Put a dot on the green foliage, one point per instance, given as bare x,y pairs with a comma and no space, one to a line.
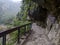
19,20
51,6
16,22
13,36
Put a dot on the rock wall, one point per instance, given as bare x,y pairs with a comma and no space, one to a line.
54,34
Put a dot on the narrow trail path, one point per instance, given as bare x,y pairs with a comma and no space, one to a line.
38,36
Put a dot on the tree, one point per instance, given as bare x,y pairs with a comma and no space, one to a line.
38,10
22,15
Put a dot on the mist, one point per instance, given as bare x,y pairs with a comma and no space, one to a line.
8,9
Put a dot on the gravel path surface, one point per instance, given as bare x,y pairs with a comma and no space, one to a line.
38,36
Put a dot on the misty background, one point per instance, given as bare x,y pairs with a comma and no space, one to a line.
8,9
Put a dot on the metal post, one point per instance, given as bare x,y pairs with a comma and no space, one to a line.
30,26
4,40
25,30
18,36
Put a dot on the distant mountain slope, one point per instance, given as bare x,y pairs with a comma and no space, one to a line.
9,6
8,9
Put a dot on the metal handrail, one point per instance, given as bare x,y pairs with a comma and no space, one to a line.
4,33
